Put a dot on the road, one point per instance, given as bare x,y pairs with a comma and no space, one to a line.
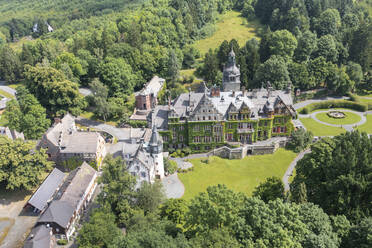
307,102
114,131
7,88
291,167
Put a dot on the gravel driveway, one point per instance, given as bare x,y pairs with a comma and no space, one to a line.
173,186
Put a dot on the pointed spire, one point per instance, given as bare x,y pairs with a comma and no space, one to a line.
154,136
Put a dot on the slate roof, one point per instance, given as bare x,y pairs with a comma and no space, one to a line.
47,189
80,142
59,212
135,133
77,183
256,101
40,237
65,126
160,117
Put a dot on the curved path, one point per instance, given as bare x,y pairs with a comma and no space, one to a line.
291,167
307,102
348,127
173,186
7,89
114,131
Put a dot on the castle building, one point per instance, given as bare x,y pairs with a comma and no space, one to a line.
231,74
144,158
211,118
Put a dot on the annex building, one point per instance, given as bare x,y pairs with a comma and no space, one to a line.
211,117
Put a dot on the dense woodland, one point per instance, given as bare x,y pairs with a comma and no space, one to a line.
114,47
328,206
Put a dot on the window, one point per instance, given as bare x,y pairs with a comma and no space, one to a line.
215,118
182,128
196,128
274,129
207,128
174,129
266,122
196,139
282,129
203,118
165,138
230,126
240,125
217,138
207,139
249,125
143,174
209,117
265,133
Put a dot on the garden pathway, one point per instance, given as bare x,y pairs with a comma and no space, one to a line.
307,102
7,88
291,167
173,186
349,127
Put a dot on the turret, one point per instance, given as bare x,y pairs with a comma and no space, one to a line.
156,143
231,74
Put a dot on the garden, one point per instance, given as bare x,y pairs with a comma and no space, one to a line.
338,117
241,175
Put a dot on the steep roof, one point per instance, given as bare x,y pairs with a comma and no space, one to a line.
47,189
77,183
40,237
80,142
59,212
65,126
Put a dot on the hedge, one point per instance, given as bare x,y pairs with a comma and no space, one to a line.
334,104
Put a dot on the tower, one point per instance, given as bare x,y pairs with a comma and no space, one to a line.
156,151
231,74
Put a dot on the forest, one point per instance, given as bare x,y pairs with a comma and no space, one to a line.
114,47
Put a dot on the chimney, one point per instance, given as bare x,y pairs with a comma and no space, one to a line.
215,91
269,91
57,120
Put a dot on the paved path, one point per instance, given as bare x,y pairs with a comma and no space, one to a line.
307,102
173,186
291,167
7,88
114,131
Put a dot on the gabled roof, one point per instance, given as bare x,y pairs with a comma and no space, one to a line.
80,142
40,237
47,189
152,87
59,212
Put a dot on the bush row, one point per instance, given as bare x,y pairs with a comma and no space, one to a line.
335,104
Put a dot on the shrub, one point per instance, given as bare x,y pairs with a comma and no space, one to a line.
170,166
300,139
62,242
335,104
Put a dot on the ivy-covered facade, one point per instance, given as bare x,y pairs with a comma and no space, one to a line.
211,118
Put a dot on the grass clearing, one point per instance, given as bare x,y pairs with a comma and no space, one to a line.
230,26
6,94
240,175
366,127
350,118
319,129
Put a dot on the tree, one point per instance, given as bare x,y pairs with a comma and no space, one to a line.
335,174
213,209
223,52
360,234
307,44
174,210
117,75
173,68
270,190
361,46
274,70
328,22
215,238
355,73
27,115
100,231
300,77
299,140
249,61
282,43
118,189
338,81
209,70
150,196
99,98
73,63
319,70
21,166
53,91
190,54
10,65
327,48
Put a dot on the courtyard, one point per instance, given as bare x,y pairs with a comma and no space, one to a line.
240,175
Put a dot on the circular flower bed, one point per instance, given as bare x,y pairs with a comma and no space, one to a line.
336,114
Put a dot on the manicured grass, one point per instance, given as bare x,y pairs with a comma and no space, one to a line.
366,127
365,100
6,94
240,175
13,86
230,26
350,118
319,129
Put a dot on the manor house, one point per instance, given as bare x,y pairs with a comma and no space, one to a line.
210,118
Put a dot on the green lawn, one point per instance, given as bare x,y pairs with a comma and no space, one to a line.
240,175
366,127
319,129
230,26
350,118
6,94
